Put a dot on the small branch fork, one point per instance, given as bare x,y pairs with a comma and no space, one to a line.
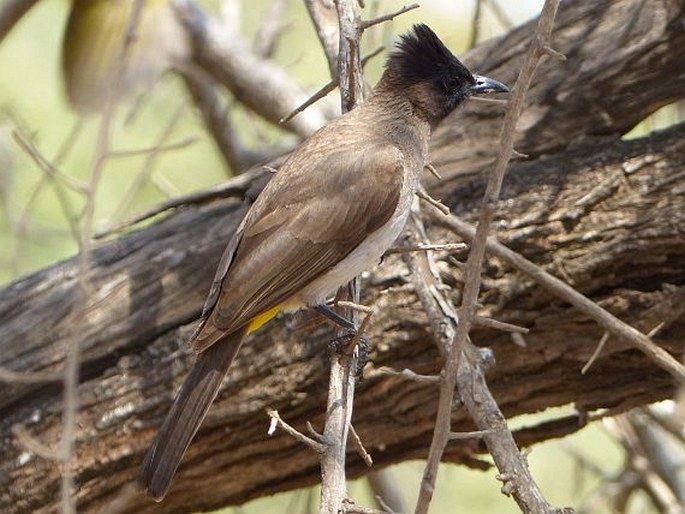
464,366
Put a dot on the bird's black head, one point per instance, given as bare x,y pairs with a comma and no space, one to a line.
424,70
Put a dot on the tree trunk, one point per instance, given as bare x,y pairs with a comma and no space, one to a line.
608,217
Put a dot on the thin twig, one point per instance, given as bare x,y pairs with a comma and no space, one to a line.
443,247
143,174
436,203
500,14
325,19
388,491
596,353
73,357
235,187
324,91
425,280
388,17
359,446
321,93
463,366
410,375
216,117
475,23
355,306
433,171
33,445
276,421
49,168
316,435
475,434
56,180
270,29
499,325
352,508
160,147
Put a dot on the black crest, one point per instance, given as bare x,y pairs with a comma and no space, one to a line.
421,56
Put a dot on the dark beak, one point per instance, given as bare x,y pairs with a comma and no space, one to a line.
485,85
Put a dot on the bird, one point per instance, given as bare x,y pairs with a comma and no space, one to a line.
330,212
113,49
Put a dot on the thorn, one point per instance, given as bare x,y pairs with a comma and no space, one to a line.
433,171
519,340
548,50
499,325
476,434
388,17
436,203
520,155
595,354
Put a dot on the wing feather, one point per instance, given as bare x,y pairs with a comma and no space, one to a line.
312,214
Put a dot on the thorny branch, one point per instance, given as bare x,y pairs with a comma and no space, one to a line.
343,364
464,364
562,290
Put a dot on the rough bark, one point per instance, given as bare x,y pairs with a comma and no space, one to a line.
607,217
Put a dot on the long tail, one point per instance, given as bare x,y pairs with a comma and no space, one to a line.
190,408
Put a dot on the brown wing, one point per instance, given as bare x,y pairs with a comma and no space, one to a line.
314,212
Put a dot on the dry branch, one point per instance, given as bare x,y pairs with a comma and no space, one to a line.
464,368
342,381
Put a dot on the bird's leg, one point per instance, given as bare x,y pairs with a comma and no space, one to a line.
336,318
338,343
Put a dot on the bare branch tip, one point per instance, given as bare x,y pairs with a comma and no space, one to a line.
596,353
435,203
548,50
433,171
359,446
388,17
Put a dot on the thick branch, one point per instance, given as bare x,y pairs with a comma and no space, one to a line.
256,82
140,299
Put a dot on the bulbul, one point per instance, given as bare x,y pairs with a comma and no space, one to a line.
331,211
94,65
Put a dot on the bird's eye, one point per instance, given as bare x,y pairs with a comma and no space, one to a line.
451,84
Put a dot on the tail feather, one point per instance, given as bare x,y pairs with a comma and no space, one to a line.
189,409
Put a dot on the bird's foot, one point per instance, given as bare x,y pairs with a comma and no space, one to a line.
340,344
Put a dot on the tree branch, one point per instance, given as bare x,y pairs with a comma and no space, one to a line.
463,366
256,82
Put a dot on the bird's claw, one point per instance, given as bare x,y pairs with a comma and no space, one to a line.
339,344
